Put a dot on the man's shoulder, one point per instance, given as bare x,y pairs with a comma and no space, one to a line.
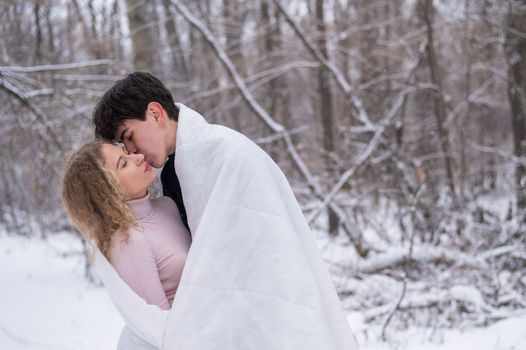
196,133
218,143
232,141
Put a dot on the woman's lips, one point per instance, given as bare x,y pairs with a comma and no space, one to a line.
147,166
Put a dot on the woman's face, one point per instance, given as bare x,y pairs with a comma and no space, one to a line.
133,174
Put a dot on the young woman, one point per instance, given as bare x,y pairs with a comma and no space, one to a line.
105,192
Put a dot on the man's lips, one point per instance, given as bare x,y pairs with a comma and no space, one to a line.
147,167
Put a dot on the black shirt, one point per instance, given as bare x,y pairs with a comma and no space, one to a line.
172,188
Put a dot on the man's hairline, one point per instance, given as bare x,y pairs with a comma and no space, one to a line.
143,118
121,136
121,123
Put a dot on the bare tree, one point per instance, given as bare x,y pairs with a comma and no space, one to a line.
439,105
147,50
515,47
325,109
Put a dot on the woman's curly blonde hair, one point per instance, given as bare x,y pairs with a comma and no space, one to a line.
93,199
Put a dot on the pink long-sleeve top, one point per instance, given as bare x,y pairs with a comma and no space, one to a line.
151,261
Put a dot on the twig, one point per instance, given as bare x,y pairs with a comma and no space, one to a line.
406,271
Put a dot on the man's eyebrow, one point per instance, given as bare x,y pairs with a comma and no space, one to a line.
122,135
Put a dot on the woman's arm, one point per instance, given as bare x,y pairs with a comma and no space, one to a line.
136,264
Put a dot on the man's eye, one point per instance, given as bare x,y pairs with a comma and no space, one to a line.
124,164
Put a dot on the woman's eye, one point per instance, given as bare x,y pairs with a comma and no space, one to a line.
124,164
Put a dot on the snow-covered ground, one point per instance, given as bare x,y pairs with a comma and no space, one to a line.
46,303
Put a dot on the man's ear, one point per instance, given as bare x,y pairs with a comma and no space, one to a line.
156,110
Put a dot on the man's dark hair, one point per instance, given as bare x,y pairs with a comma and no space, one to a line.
128,99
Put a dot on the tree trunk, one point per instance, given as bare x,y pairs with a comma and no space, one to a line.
326,109
276,92
50,36
115,31
89,31
460,125
233,29
343,25
146,46
180,66
439,102
38,26
515,49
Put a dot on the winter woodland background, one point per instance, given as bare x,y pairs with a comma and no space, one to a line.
399,123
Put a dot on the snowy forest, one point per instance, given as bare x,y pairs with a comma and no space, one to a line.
400,125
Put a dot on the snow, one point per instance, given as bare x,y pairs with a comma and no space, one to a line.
47,303
45,300
509,334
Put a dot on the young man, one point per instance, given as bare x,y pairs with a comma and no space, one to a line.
253,278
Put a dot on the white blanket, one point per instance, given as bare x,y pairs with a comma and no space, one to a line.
254,278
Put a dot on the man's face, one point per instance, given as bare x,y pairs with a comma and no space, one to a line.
145,137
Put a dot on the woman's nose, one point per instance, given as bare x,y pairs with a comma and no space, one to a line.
138,158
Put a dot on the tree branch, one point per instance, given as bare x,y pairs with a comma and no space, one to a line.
327,63
269,121
55,67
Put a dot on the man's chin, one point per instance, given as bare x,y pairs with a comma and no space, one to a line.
158,165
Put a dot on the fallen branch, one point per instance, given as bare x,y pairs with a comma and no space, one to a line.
396,256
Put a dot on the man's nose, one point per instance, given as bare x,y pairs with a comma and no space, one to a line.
130,147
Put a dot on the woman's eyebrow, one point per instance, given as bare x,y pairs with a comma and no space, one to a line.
121,156
118,161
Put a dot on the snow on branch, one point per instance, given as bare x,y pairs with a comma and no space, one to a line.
24,99
275,137
500,153
333,68
256,79
419,299
230,68
398,102
396,256
56,67
471,98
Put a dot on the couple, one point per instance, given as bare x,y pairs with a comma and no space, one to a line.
228,262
